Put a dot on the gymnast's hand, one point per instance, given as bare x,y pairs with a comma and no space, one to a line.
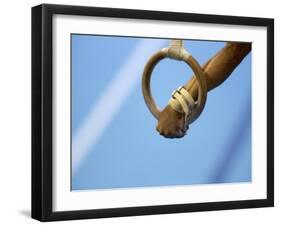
171,123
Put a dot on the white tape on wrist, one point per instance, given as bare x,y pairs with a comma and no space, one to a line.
182,101
189,99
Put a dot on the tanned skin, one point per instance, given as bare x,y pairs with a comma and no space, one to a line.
217,70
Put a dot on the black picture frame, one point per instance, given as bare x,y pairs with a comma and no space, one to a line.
42,107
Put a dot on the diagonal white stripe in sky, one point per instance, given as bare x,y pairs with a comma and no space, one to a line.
109,104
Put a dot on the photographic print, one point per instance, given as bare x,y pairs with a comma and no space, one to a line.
115,143
138,112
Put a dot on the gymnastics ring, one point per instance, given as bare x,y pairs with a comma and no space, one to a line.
178,52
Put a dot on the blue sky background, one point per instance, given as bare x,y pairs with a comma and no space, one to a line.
129,151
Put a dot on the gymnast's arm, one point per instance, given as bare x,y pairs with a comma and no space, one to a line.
217,69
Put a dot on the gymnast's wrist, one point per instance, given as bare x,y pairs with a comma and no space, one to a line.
182,101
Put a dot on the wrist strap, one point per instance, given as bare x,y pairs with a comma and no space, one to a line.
182,101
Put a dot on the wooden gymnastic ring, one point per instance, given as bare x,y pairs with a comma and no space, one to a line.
199,74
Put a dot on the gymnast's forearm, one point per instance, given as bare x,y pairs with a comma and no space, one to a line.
220,66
